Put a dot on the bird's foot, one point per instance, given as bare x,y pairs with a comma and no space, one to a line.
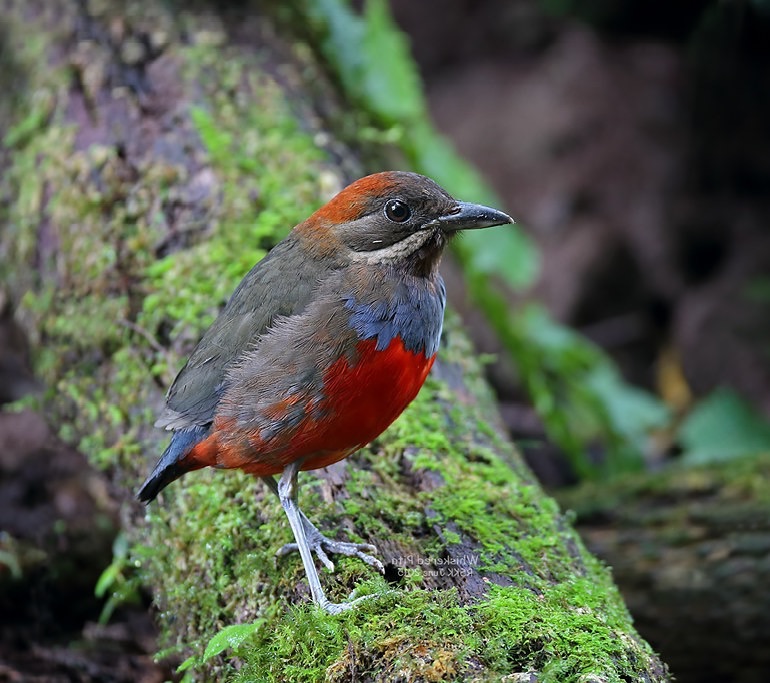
340,607
323,547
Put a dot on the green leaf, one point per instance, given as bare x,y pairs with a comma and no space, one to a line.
721,427
188,663
372,58
113,572
107,579
230,637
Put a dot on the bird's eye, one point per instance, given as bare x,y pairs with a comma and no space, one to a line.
397,211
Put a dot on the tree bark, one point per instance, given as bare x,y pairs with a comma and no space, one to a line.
690,549
154,151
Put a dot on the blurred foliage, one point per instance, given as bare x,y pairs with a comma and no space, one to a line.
721,427
119,583
577,390
574,386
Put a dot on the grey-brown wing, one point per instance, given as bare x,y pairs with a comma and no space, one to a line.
281,284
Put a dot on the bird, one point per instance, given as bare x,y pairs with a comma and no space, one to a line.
321,346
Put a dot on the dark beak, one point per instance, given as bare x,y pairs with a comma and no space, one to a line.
468,216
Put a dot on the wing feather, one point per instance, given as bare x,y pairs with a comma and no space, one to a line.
276,287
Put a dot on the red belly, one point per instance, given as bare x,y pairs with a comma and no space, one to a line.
360,402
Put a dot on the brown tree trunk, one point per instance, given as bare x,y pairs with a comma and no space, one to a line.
690,550
155,151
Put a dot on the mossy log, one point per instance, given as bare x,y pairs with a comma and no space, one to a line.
690,550
153,152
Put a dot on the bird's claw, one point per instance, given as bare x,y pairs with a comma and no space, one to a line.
323,547
340,607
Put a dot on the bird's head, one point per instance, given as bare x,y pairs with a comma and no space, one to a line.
394,216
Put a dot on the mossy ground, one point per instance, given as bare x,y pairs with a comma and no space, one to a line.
112,322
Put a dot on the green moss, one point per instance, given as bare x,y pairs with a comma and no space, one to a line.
415,632
571,619
563,634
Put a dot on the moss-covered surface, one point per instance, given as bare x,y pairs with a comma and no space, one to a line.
689,548
145,171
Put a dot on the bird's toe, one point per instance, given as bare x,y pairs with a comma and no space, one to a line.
359,550
323,547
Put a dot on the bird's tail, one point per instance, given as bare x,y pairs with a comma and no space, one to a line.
172,463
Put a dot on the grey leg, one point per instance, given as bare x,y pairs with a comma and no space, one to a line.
287,494
321,545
